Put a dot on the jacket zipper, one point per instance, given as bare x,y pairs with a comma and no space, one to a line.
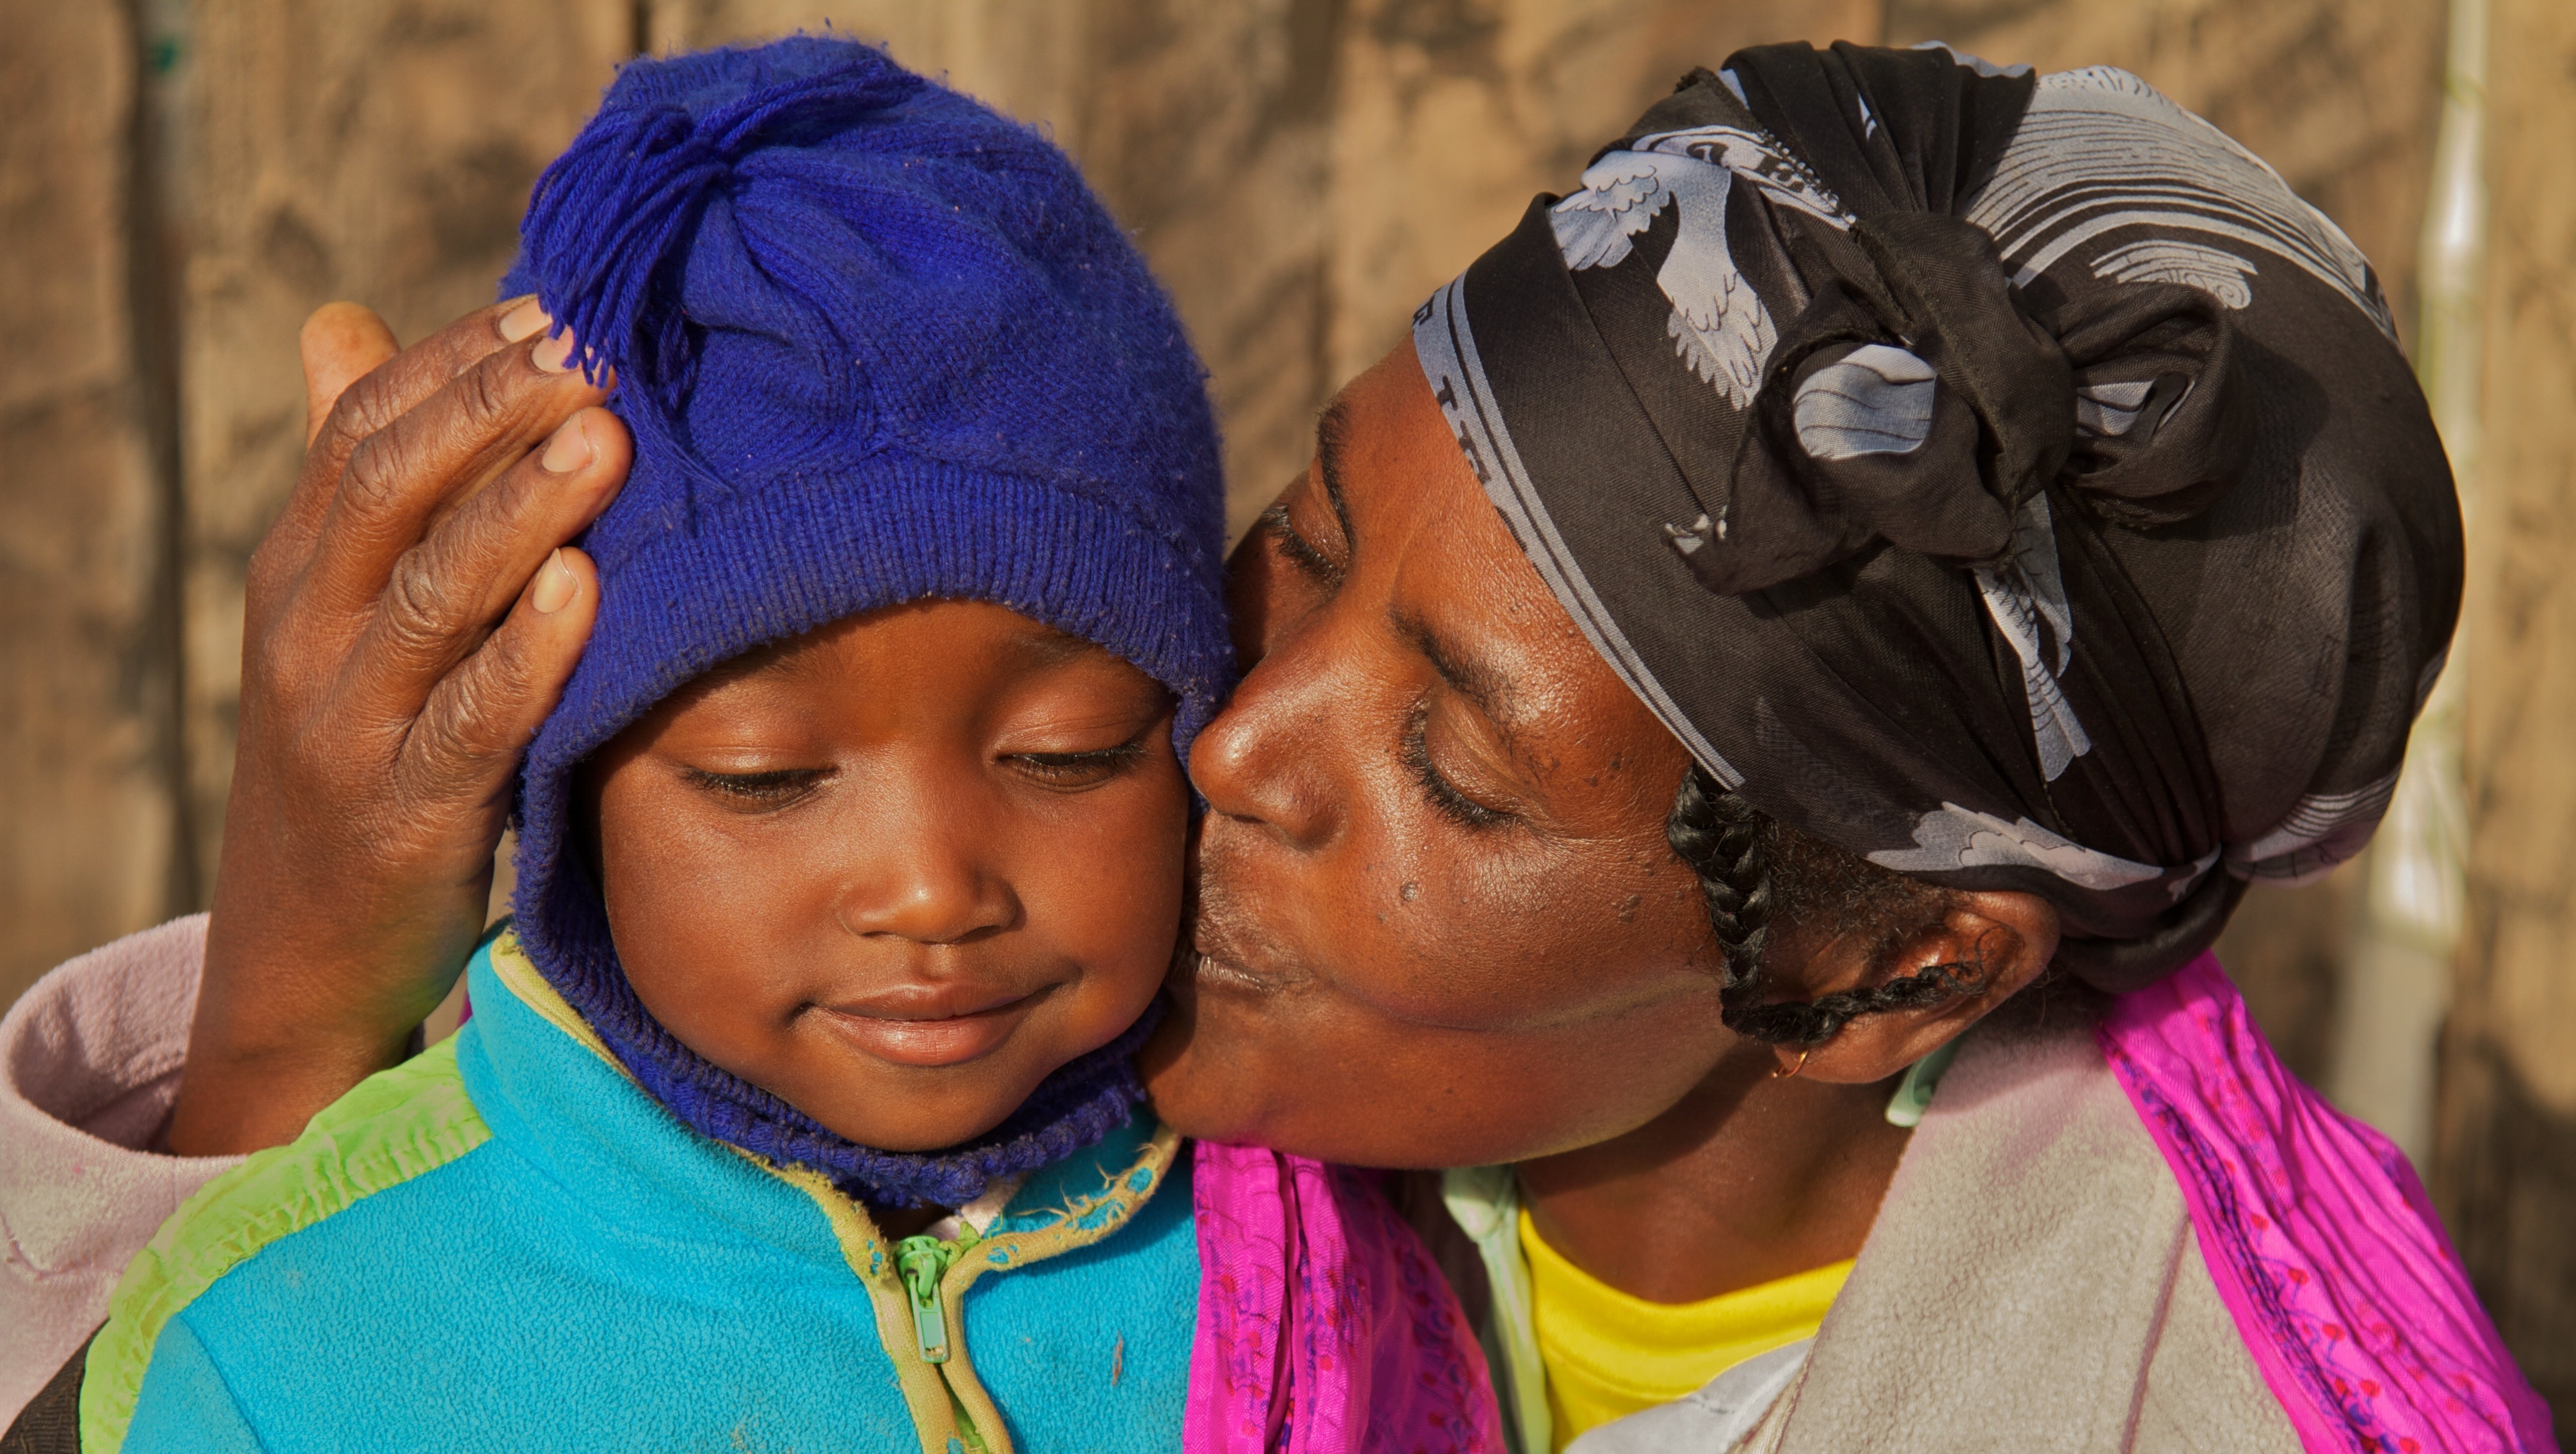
921,1263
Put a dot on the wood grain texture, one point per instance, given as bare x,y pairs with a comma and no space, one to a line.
378,150
2286,949
2505,1169
1210,132
1026,57
87,818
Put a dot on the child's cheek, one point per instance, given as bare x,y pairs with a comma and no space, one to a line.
703,931
1109,895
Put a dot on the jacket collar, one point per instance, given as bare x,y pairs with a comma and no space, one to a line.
553,1093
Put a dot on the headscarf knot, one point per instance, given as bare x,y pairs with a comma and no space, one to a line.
1921,402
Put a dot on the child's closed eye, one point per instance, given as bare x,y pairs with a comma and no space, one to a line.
773,789
1078,769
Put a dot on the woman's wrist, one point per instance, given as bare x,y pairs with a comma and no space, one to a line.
231,1102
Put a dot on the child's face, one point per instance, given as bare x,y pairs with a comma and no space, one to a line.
898,869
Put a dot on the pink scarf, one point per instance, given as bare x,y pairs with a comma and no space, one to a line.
1323,1325
2319,1237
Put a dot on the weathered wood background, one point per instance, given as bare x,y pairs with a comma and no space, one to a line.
2504,1166
182,180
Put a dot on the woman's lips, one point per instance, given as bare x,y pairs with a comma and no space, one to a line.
927,1026
1223,949
1208,970
1207,964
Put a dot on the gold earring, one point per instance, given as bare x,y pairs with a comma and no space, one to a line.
1792,1072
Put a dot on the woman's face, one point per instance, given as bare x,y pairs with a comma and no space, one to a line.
1437,922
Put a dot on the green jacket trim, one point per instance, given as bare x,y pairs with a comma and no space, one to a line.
395,1125
950,1408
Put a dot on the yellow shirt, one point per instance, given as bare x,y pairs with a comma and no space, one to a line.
1608,1354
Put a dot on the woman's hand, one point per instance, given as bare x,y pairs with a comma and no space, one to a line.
411,619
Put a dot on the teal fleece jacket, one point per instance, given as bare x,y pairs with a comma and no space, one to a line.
505,1243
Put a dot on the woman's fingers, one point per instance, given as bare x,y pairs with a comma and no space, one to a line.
341,344
382,712
361,407
445,592
464,747
431,458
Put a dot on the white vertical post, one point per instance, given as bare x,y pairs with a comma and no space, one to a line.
2397,983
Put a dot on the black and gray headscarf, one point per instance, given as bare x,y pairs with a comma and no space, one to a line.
2002,477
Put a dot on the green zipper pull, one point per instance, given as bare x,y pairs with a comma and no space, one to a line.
922,1261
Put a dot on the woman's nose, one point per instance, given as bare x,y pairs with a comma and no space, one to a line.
1266,760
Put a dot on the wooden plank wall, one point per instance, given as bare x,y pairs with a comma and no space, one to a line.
371,149
89,817
2505,1163
181,180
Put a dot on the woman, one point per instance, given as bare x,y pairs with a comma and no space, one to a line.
1893,553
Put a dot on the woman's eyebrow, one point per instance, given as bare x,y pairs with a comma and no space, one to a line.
1332,434
1463,670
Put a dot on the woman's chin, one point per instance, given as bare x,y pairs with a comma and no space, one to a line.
1188,1082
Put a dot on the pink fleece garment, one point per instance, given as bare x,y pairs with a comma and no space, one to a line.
1323,1325
2319,1237
89,1064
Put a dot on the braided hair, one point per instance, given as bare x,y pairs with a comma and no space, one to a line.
1753,869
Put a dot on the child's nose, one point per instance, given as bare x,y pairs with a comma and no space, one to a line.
928,897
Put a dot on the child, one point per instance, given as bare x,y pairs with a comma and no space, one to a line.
797,1110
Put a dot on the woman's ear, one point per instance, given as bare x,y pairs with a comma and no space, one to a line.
1994,944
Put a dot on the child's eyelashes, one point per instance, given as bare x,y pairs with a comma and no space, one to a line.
1078,769
780,787
772,789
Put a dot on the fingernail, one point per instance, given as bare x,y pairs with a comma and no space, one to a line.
523,321
555,354
555,585
570,449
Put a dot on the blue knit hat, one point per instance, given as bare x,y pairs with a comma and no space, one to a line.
875,343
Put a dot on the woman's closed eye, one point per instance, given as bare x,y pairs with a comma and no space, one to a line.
1297,549
1445,796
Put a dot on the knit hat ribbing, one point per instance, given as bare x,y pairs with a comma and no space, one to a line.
875,343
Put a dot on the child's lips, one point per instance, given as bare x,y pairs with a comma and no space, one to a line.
929,1025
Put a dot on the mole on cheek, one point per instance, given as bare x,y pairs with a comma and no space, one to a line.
1409,892
1628,908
